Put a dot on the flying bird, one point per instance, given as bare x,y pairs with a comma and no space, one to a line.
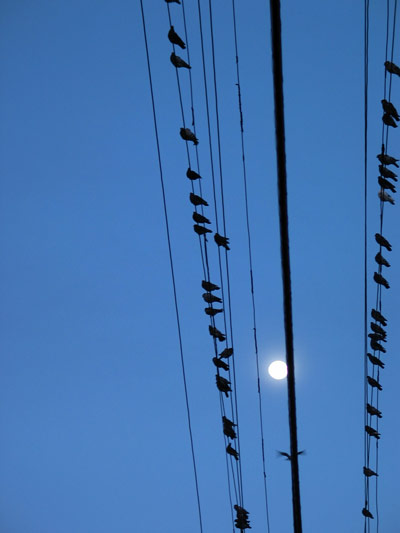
197,200
210,298
289,457
389,121
188,135
200,219
222,241
223,385
192,175
387,160
232,452
178,62
376,346
208,286
220,364
372,432
381,260
387,173
378,278
386,184
201,230
379,317
225,354
175,39
374,383
216,333
211,311
385,197
373,411
375,361
383,242
378,329
389,108
366,513
368,472
392,68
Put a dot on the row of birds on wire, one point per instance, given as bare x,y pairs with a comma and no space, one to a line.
200,227
378,334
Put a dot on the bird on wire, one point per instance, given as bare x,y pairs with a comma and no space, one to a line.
383,242
387,173
374,384
188,135
375,361
389,120
223,385
377,337
200,219
377,329
211,298
197,200
373,411
387,160
173,1
178,62
381,260
226,353
222,241
385,197
208,286
368,472
201,230
232,452
216,333
378,317
389,108
376,346
175,39
380,280
212,311
289,457
392,68
220,364
366,513
372,432
228,426
192,175
386,184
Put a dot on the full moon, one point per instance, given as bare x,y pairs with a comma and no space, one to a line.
277,370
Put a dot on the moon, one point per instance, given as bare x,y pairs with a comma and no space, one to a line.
277,370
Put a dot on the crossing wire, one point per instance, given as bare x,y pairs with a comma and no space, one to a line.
172,269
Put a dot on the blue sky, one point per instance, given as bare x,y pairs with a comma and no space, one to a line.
94,432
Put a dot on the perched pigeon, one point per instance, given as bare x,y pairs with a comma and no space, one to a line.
223,385
366,513
381,260
197,200
368,472
392,68
378,278
200,219
227,428
222,241
211,311
376,346
220,364
241,511
387,160
175,39
242,518
388,120
379,317
372,432
188,135
374,383
378,329
225,354
208,286
201,230
178,62
387,173
375,361
385,197
385,184
210,298
289,457
232,452
383,242
192,175
377,337
373,411
216,333
242,523
389,108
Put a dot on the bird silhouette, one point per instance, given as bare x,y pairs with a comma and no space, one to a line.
223,385
192,175
385,197
392,68
387,160
226,353
381,260
377,337
376,346
366,513
232,452
378,317
173,1
389,120
211,311
197,200
188,135
373,411
178,62
216,333
222,241
227,428
200,219
375,361
387,173
210,298
372,432
175,39
289,457
378,278
389,108
220,364
201,230
383,242
208,286
374,383
385,184
368,472
377,329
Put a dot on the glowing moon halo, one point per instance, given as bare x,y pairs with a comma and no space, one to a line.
277,370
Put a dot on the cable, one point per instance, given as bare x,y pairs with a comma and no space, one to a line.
276,39
172,270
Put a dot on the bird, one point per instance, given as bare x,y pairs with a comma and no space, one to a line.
392,68
366,513
192,175
242,523
379,317
387,173
385,184
376,337
373,411
210,298
381,260
173,1
232,452
375,361
383,242
225,354
389,108
374,383
228,422
188,135
376,346
378,329
175,39
201,230
229,431
289,457
178,62
368,472
387,160
385,197
208,286
216,333
372,432
197,200
222,241
223,385
378,278
200,219
388,120
220,364
211,311
240,511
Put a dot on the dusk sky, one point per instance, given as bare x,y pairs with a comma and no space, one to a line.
94,433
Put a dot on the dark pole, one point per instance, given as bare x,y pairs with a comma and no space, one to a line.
285,256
